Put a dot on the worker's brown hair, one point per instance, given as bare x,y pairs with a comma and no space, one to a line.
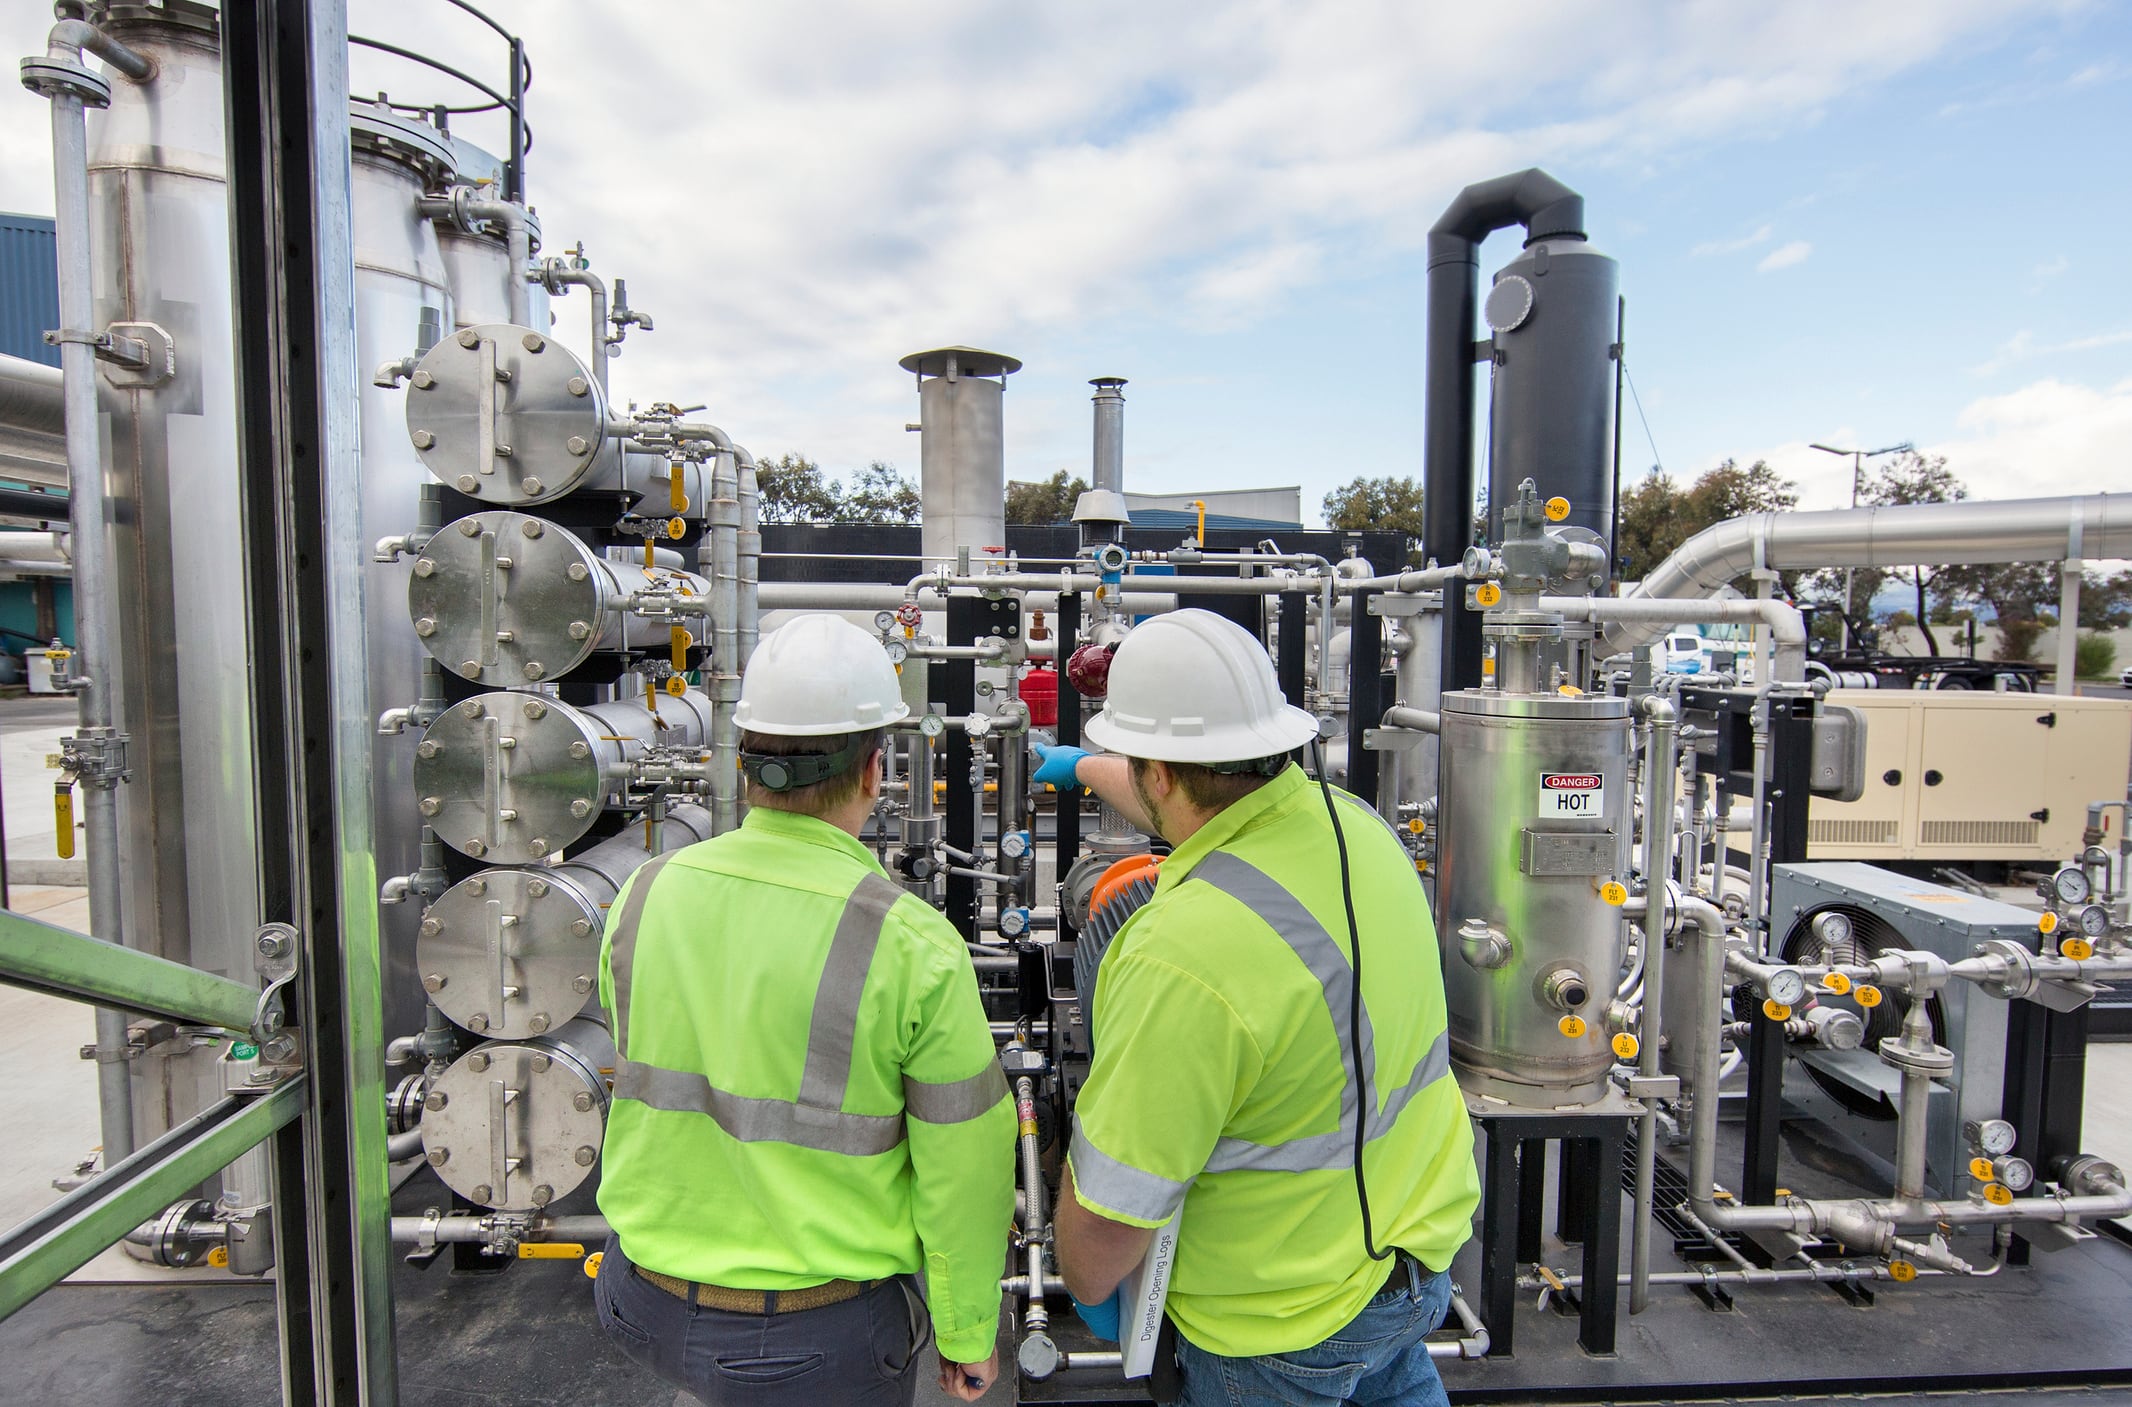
818,798
1212,789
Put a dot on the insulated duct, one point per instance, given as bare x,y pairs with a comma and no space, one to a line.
2094,526
33,422
1548,210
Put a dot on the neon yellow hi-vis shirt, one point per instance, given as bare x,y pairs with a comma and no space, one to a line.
1222,1074
807,1089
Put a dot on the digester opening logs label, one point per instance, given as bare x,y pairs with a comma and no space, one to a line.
1572,794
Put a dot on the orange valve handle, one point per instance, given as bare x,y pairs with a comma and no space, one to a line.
681,640
550,1250
63,815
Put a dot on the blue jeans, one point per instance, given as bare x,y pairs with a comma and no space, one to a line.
1378,1358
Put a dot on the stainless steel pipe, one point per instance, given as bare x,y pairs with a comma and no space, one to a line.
1661,721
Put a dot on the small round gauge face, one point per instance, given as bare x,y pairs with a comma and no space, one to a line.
2015,1173
897,651
1995,1137
1787,986
884,620
932,725
2070,885
2095,921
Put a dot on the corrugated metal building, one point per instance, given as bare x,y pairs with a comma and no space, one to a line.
29,287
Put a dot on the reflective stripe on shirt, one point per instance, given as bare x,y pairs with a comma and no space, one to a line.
1328,962
816,1119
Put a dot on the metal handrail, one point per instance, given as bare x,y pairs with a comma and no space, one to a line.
46,958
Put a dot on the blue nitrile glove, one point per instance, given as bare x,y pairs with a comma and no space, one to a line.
1102,1319
1055,764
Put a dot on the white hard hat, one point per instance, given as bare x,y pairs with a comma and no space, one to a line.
819,674
1192,686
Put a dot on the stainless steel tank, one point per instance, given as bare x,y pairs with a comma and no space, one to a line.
159,216
516,778
401,308
506,415
1533,821
514,1125
512,953
478,264
505,599
963,460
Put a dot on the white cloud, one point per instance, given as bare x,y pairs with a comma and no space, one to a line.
802,194
1731,246
1784,256
2022,347
2048,437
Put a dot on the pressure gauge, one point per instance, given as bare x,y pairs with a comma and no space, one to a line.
2070,886
1786,986
884,620
1994,1137
1833,928
896,651
2014,1172
2095,921
932,725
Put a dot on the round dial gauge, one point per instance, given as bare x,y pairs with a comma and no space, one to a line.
2070,886
932,725
2014,1172
884,620
2095,921
1994,1136
1787,986
896,651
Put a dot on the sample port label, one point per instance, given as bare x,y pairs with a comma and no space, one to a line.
1572,794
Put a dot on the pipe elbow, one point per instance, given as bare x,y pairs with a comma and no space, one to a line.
69,39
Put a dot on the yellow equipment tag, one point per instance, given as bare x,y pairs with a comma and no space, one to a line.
1980,1169
2048,923
676,685
1836,983
1999,1195
1625,1046
676,527
1776,1011
1487,593
592,1264
2078,949
1901,1271
1865,996
1614,893
1557,509
63,820
1572,1027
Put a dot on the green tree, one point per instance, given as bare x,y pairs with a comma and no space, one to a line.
2094,656
1044,502
1911,477
1378,505
793,491
2106,602
2017,594
878,494
1657,515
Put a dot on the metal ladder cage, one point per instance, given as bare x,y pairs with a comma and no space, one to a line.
319,1018
512,102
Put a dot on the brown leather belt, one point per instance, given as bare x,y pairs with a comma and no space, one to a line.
756,1301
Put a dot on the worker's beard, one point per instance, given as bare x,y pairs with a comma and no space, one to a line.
1140,793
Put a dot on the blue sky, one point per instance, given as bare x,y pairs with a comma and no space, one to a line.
1851,223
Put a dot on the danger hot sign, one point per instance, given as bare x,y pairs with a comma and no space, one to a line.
1572,794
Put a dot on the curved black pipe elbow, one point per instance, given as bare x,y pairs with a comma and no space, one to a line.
1532,198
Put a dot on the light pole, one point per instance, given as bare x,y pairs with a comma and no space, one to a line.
1858,459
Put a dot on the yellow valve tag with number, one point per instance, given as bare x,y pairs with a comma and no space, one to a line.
677,527
1572,1026
1901,1271
550,1250
1776,1010
1614,893
592,1263
1417,825
2048,923
1867,997
2078,949
219,1257
1836,983
676,685
1980,1169
1557,509
1999,1195
1487,593
1625,1046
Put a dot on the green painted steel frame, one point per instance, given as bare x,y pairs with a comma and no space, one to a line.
46,958
65,1236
